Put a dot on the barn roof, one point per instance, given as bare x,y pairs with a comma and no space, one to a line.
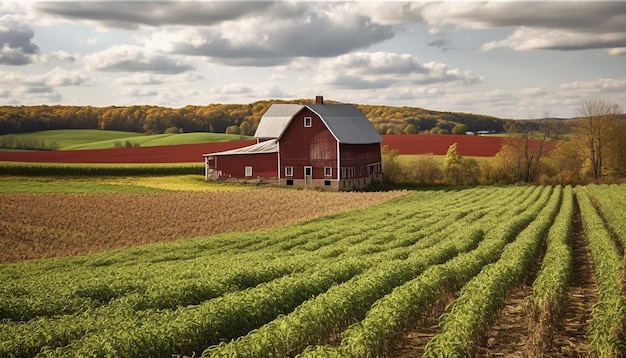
346,122
276,119
268,146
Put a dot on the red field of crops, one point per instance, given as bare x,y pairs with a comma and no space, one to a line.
187,153
437,144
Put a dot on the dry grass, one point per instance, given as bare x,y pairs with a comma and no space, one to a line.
51,225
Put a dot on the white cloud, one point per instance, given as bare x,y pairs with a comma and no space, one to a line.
126,58
131,14
416,53
543,38
16,46
139,79
138,92
55,77
554,25
61,77
232,88
276,36
600,84
364,70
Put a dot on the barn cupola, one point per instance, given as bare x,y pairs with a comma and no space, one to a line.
319,99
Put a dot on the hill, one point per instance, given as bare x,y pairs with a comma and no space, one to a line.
222,118
81,139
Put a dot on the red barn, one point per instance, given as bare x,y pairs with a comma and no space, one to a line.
331,146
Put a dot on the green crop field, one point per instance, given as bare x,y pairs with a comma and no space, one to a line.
430,273
98,170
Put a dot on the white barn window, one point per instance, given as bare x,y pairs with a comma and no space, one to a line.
328,172
288,171
248,171
307,121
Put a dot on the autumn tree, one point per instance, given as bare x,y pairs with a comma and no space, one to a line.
598,130
391,164
410,129
459,170
232,129
526,147
459,129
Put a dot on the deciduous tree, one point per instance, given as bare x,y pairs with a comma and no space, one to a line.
598,132
526,147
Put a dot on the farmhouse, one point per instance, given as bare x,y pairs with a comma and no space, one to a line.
330,146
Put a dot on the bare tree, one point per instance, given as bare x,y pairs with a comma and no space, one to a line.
528,145
596,131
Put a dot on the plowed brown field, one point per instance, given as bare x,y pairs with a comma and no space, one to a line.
50,225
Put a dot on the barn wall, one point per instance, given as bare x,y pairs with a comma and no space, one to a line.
359,156
263,165
302,146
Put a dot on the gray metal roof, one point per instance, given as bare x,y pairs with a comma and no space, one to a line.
268,146
346,122
276,119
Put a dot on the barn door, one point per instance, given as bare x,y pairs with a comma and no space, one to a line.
308,175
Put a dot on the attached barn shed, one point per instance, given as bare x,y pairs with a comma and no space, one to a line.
331,146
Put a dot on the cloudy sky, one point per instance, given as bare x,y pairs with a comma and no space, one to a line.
507,59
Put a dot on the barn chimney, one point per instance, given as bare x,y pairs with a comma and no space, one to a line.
319,99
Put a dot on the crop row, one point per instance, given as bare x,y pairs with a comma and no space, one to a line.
609,314
552,283
483,296
208,270
395,312
188,262
609,200
157,272
318,318
275,292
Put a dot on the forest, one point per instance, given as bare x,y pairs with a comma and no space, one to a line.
225,118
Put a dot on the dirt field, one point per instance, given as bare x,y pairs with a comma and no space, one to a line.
51,225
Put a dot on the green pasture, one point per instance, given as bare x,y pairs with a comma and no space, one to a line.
77,139
72,137
411,159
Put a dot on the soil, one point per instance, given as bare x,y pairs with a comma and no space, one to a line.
570,339
413,343
509,335
52,225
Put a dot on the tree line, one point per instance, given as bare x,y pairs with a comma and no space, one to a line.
589,148
240,119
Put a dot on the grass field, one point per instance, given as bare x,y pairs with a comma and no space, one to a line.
93,185
484,271
79,139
